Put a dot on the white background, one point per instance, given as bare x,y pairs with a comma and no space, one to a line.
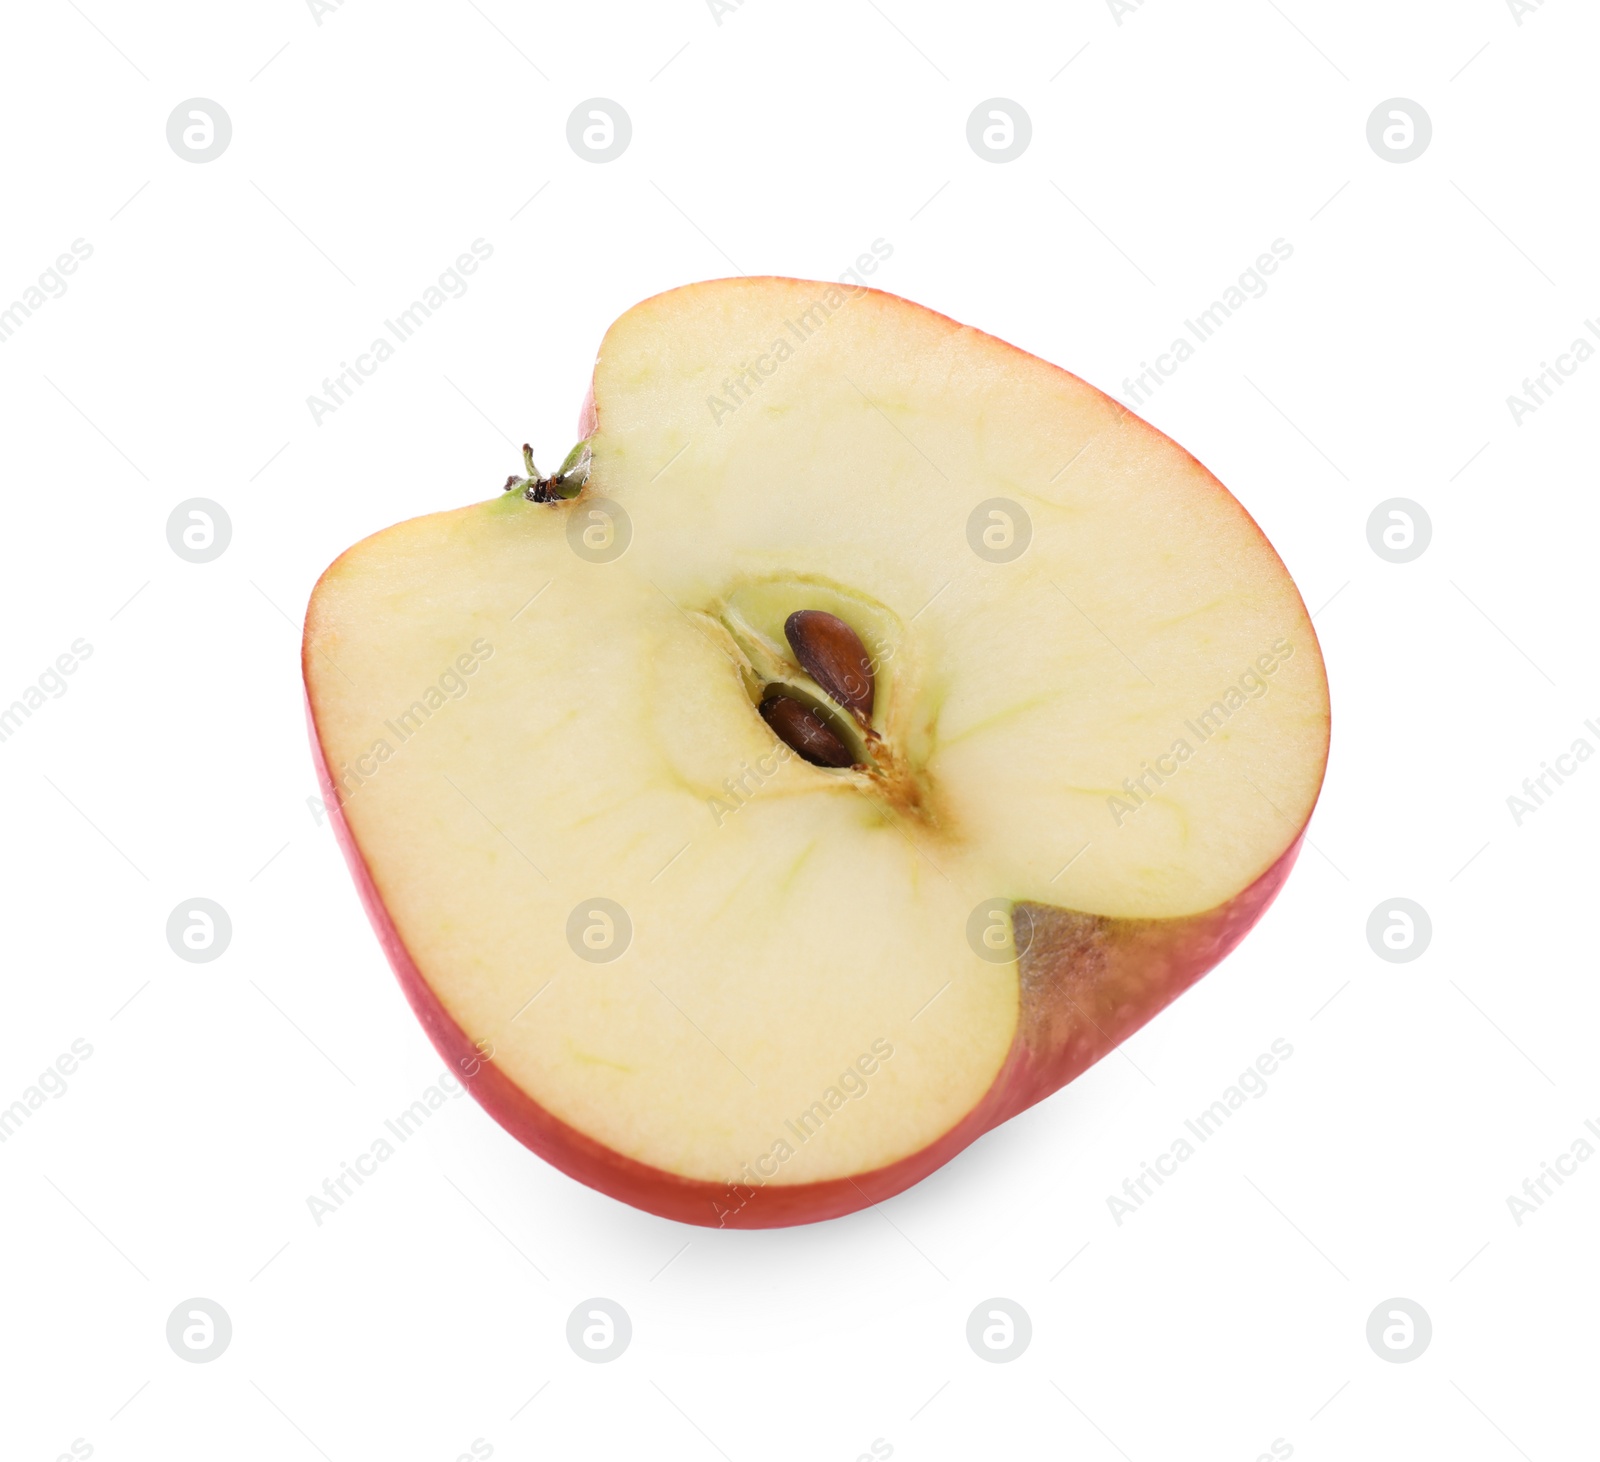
1168,151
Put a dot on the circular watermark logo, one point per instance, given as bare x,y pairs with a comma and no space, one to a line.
1399,130
599,931
1399,1330
199,1330
1399,530
1399,930
999,530
199,130
599,1330
999,1330
999,130
199,530
599,530
199,930
599,130
1000,931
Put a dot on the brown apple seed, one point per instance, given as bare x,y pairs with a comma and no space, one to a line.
832,654
802,730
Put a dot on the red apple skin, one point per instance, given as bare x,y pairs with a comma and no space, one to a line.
1088,984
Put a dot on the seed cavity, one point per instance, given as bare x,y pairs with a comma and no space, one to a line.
832,654
803,731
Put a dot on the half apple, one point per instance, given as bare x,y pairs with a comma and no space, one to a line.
870,728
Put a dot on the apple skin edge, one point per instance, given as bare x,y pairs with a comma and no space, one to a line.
1088,983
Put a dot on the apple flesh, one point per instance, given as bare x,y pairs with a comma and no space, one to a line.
669,952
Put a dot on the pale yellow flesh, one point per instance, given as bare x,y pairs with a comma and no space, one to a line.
786,924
